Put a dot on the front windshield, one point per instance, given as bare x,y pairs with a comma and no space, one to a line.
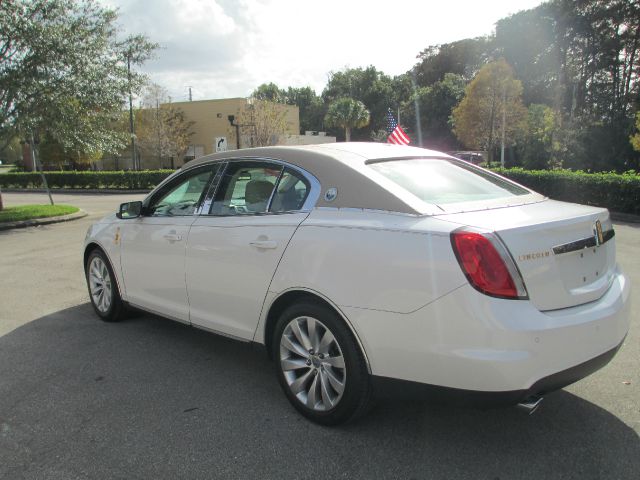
441,181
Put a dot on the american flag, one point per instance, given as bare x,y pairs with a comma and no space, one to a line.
396,134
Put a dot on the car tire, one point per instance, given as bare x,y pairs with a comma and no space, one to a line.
103,287
319,364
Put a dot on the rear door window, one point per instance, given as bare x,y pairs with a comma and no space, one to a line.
291,193
246,188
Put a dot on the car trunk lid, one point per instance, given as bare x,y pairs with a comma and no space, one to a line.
563,259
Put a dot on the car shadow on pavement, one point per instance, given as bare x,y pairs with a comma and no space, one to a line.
151,398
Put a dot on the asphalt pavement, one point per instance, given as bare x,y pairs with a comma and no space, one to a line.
148,398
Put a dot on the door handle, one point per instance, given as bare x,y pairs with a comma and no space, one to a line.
173,237
264,244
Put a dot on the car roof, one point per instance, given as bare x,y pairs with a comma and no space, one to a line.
344,166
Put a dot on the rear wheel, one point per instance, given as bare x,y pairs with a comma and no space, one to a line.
319,364
103,289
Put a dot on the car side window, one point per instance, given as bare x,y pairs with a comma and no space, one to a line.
291,193
246,188
182,196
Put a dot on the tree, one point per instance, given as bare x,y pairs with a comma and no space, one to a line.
464,57
52,154
526,40
270,92
163,130
262,122
63,71
371,87
311,108
492,106
347,113
536,146
436,102
12,152
635,139
309,104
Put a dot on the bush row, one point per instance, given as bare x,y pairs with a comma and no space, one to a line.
130,180
617,192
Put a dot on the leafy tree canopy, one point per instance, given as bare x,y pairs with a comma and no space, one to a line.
536,143
635,139
492,102
311,107
270,92
436,103
347,113
371,87
63,71
162,129
464,57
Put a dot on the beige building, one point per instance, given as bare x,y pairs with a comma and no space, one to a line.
220,125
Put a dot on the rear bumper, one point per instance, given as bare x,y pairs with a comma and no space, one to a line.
472,342
393,388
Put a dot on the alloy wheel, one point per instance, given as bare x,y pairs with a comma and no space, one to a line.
100,285
312,363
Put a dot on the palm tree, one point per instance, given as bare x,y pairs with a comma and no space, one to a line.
347,113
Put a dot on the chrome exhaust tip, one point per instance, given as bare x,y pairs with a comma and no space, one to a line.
531,404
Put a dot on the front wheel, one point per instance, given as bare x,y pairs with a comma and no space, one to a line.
103,289
320,365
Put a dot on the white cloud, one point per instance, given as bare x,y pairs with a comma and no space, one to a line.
226,48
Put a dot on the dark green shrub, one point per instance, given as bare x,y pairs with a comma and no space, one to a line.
143,180
617,192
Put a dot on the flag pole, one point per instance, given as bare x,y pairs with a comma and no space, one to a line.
417,108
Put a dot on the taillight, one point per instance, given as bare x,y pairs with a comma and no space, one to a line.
487,264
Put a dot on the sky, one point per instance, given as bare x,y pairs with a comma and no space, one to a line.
226,48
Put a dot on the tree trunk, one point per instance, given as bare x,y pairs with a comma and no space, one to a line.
347,134
1,204
492,127
38,167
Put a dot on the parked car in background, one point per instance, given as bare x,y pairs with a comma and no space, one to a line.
355,263
476,158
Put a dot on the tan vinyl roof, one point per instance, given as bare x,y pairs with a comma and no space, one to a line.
343,166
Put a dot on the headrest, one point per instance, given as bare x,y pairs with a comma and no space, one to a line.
258,191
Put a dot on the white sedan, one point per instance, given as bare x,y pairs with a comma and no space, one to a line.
358,263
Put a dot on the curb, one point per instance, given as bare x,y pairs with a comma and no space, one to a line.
35,222
75,191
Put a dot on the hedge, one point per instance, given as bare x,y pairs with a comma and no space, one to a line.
617,192
130,180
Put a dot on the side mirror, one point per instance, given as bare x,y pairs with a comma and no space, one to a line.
129,210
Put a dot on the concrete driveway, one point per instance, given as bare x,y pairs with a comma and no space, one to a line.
150,398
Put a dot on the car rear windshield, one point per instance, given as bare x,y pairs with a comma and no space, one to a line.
440,181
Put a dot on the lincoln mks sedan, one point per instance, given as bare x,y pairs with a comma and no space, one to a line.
356,264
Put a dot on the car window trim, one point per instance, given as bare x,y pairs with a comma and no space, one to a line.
305,180
213,186
176,181
275,188
228,165
310,201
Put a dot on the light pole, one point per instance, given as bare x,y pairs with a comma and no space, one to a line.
231,119
417,108
504,119
134,163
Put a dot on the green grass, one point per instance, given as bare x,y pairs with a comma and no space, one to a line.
29,212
